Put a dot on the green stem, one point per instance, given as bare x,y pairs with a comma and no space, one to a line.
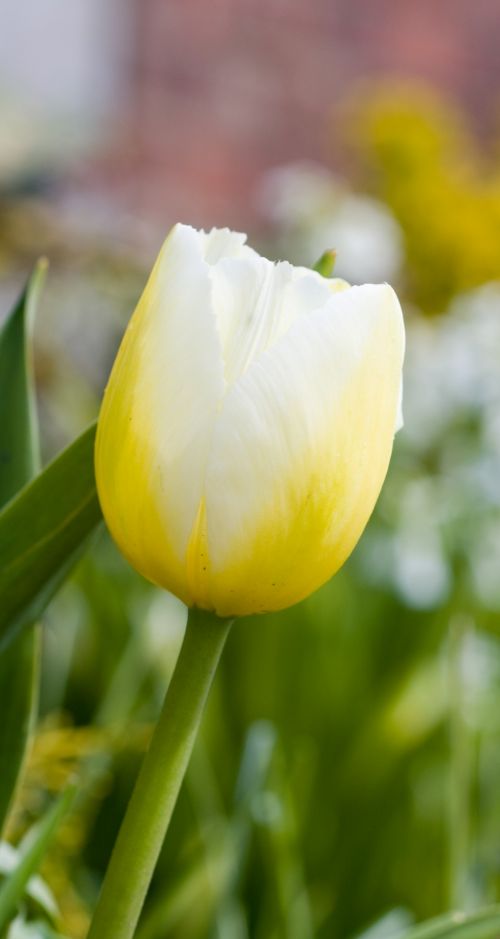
153,800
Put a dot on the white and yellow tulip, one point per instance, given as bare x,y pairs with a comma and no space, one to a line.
248,423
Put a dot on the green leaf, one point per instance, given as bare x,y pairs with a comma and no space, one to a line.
19,461
19,449
43,532
34,849
326,263
483,925
19,679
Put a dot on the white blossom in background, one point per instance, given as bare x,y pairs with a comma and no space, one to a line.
367,239
448,506
453,366
421,569
315,212
482,675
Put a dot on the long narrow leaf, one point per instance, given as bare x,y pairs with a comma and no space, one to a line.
19,461
43,531
19,449
19,680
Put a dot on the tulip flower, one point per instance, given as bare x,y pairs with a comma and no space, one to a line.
248,423
243,440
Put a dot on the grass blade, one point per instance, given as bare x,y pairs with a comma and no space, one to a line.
19,461
12,890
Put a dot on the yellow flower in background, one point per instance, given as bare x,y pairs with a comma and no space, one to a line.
248,423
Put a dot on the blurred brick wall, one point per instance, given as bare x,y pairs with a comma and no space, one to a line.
222,89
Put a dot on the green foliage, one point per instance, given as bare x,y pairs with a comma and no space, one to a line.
18,422
34,521
19,678
19,461
43,531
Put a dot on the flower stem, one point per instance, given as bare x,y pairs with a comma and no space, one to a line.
153,800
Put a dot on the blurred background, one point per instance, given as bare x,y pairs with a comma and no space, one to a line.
346,781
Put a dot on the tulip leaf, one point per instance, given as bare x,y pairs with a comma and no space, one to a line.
43,531
19,679
483,925
19,461
326,263
19,449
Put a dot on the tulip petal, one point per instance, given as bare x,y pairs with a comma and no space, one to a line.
158,411
300,452
256,303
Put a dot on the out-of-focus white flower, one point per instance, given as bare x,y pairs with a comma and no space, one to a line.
366,237
421,570
315,211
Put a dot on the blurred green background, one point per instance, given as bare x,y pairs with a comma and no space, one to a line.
346,779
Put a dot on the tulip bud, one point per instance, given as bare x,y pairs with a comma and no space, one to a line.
248,423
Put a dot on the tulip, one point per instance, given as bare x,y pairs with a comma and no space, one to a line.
248,423
244,436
